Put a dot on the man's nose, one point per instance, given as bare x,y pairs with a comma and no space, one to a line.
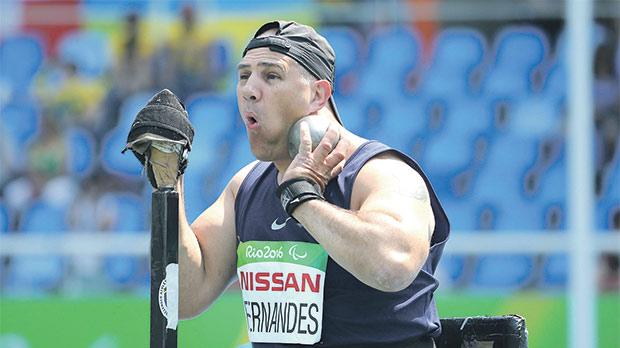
250,90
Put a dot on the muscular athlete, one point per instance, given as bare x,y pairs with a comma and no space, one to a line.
371,232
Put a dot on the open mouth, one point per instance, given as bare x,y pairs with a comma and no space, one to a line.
251,121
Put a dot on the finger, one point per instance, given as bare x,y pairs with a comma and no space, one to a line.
337,154
327,144
337,169
180,183
305,140
334,159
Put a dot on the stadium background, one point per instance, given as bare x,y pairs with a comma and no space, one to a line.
475,91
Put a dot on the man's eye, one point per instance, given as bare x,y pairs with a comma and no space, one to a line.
272,76
244,76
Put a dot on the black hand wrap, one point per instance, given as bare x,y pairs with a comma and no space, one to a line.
164,119
296,191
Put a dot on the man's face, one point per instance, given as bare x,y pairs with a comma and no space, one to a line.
272,93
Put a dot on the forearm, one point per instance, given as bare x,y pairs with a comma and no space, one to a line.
371,246
192,274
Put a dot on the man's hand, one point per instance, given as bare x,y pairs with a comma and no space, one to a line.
320,165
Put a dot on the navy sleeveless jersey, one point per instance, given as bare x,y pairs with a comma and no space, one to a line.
354,314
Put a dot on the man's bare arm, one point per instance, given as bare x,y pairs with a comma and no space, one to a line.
385,238
207,250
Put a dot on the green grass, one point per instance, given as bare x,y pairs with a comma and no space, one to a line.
123,321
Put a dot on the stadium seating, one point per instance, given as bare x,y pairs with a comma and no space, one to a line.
5,218
123,213
214,118
113,161
392,56
6,224
450,75
88,51
608,205
21,57
487,123
459,124
81,151
30,275
396,120
352,109
347,45
518,53
20,123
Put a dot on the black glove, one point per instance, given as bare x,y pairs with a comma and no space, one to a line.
161,128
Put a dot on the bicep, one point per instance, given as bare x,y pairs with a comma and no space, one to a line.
215,231
392,192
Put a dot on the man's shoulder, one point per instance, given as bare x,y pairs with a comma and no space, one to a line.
235,182
386,171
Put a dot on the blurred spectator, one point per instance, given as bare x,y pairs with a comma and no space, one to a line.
130,74
68,97
47,154
184,64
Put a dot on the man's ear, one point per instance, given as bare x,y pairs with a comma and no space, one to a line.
321,92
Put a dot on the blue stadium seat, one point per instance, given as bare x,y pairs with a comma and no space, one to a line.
555,271
124,213
352,109
551,194
503,272
21,57
241,155
89,51
112,160
396,120
80,145
552,198
196,200
131,106
214,118
608,204
393,48
39,274
5,218
347,44
460,123
536,117
515,150
392,55
518,52
20,123
465,217
6,222
500,186
555,84
450,74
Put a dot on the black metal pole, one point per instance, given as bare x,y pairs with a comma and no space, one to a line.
164,268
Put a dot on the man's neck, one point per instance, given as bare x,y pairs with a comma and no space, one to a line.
351,143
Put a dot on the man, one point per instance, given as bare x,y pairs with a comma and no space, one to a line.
335,247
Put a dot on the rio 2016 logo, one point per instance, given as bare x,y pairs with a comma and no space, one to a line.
295,255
